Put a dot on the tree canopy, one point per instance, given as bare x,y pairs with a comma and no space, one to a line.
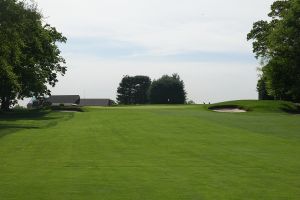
30,59
277,44
133,90
167,90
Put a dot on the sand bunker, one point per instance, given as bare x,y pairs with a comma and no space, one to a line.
229,110
67,111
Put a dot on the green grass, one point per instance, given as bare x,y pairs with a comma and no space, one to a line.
260,106
151,152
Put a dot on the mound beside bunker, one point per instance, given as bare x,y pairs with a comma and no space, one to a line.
228,109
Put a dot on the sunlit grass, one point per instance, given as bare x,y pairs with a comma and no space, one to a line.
151,152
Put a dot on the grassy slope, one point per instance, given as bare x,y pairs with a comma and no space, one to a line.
152,152
260,106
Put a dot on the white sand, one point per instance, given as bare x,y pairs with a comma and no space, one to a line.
67,111
229,110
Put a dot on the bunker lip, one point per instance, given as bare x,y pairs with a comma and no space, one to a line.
228,109
67,111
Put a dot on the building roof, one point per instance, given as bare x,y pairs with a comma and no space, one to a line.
95,102
72,99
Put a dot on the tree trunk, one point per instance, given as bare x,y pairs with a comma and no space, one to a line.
5,103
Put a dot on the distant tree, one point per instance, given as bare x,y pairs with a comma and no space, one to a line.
133,90
29,56
125,91
167,90
277,43
190,102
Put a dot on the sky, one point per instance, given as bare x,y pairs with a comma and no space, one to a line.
204,41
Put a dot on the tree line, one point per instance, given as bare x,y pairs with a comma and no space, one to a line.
141,90
30,60
277,44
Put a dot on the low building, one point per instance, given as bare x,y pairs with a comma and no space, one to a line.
95,102
70,100
66,100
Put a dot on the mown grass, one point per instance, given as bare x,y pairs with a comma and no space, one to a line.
260,106
151,152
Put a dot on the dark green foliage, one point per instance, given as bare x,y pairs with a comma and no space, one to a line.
133,90
190,102
167,90
262,90
29,57
278,43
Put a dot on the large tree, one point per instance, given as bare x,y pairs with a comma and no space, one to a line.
167,90
277,44
133,90
30,59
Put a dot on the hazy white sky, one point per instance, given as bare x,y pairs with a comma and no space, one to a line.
204,41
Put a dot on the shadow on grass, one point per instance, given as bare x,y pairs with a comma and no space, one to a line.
14,121
24,115
292,109
9,129
67,108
